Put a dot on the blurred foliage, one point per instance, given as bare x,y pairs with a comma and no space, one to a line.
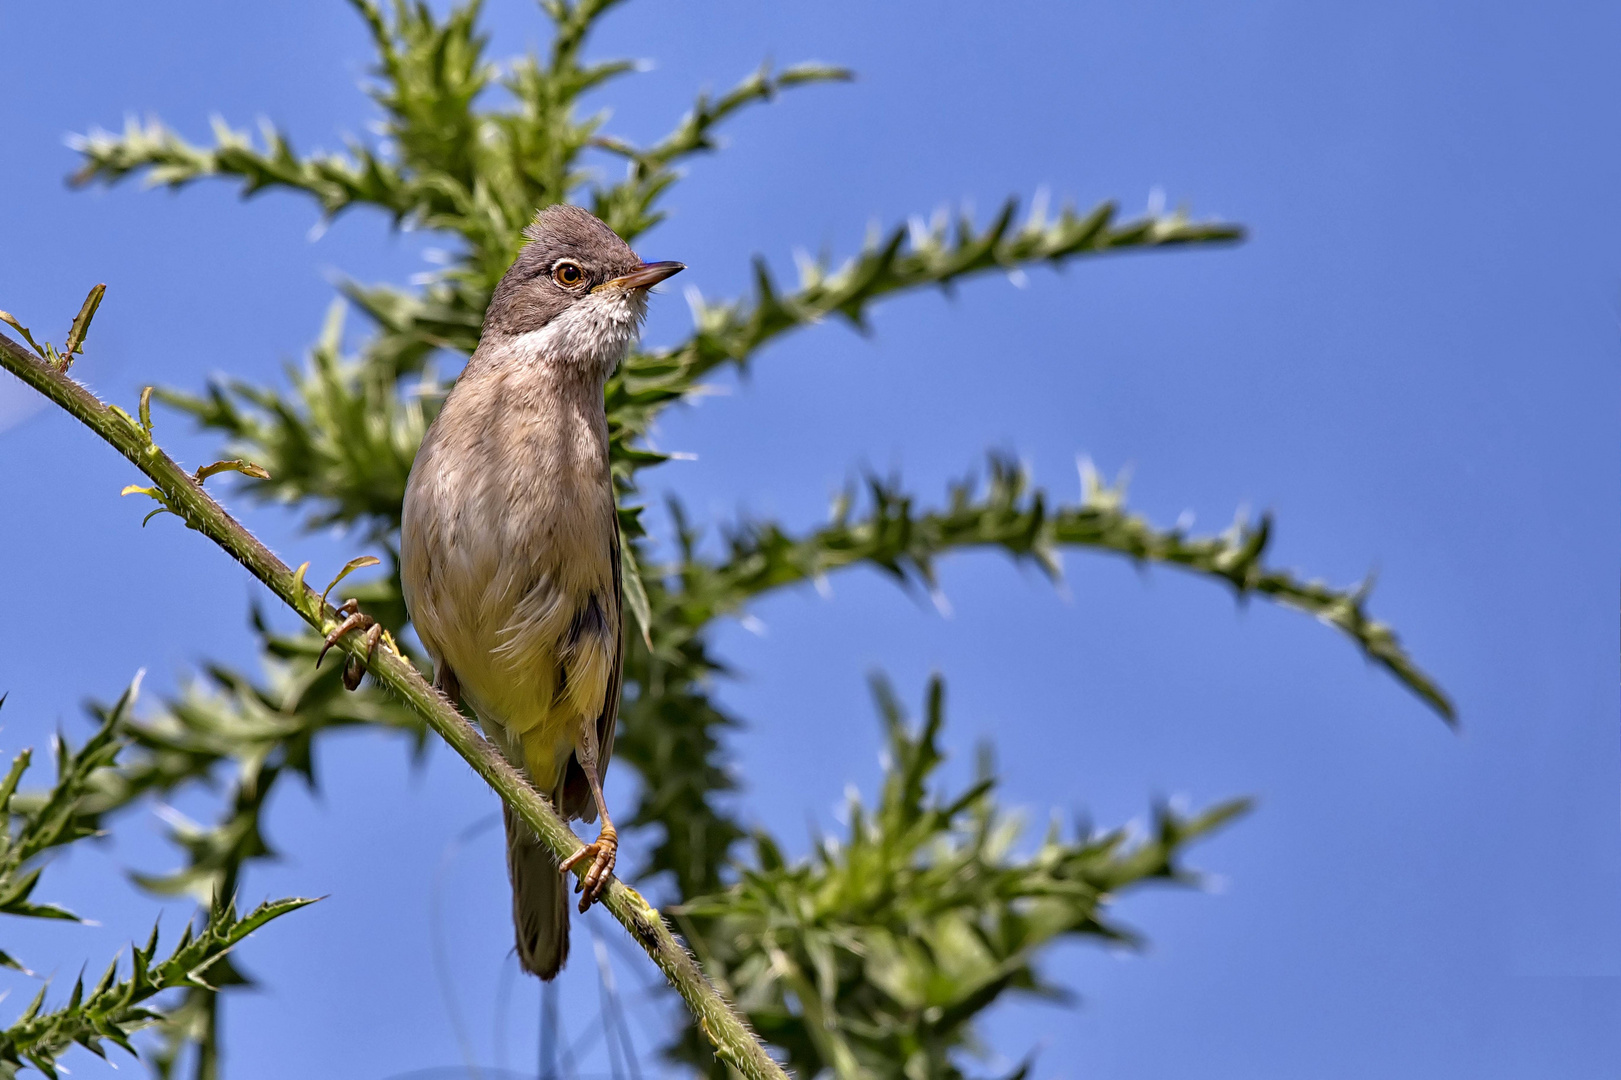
91,782
112,1010
33,825
230,733
877,956
873,957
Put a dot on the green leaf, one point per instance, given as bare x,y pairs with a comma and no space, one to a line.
81,322
11,320
246,468
357,563
636,592
37,824
114,1010
1004,512
888,945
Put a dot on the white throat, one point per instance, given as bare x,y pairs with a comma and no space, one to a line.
593,334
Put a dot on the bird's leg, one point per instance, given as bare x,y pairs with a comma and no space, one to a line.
355,620
445,681
605,850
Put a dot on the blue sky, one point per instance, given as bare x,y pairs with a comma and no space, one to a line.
1413,362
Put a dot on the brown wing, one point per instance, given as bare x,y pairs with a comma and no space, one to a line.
577,800
608,722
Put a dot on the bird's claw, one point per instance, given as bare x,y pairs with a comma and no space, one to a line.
355,619
602,854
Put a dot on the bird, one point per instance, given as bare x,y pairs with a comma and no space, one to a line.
510,545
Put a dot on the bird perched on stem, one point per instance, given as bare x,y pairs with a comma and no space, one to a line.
509,544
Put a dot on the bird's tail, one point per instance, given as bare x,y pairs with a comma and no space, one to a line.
540,901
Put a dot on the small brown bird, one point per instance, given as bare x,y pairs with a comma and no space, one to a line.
509,544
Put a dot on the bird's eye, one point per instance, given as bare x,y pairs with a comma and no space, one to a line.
568,274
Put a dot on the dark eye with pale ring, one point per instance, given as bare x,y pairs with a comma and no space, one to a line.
568,274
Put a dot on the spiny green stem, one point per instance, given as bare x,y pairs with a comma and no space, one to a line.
733,1042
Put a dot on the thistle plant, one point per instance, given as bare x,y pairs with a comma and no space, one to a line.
874,956
34,826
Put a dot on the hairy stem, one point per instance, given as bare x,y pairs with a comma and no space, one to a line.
184,496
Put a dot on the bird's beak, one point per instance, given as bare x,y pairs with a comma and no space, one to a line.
644,276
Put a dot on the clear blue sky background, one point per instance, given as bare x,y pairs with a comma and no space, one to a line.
1413,362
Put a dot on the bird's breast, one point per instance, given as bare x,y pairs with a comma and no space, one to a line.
507,536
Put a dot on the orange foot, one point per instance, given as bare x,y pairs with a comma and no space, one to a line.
602,855
353,669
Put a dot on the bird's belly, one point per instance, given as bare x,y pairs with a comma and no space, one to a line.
512,589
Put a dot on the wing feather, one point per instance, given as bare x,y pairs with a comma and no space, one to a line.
577,800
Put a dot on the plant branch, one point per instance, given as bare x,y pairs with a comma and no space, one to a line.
887,942
183,496
908,257
628,206
1006,513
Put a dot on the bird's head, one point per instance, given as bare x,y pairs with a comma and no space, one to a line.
576,294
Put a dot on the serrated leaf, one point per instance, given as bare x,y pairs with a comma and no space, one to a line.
636,593
81,322
246,468
349,567
11,320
